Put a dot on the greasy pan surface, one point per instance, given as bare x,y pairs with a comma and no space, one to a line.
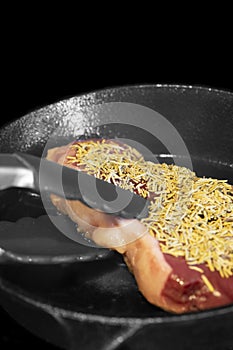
96,304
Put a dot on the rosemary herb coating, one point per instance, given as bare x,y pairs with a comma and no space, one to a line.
191,218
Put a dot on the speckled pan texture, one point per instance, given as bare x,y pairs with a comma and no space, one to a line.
96,305
199,114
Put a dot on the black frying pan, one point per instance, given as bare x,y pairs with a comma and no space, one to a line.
96,305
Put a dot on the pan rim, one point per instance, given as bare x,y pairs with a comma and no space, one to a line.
68,97
59,311
206,88
108,89
136,86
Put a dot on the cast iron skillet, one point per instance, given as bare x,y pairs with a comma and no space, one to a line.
95,304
